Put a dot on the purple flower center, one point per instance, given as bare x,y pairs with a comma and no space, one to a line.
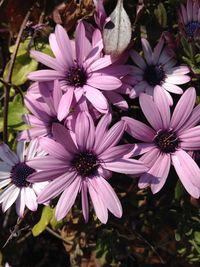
85,164
19,174
166,141
76,76
191,27
154,74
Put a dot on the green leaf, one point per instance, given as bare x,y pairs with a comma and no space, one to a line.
179,190
177,236
161,15
16,110
54,223
197,237
22,67
46,216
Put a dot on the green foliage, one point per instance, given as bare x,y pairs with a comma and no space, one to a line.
161,15
46,216
16,110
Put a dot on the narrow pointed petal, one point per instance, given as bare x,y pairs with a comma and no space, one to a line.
57,51
21,150
160,100
139,130
116,152
102,128
126,166
101,63
30,199
147,51
20,204
177,79
11,195
117,100
57,94
104,82
111,138
172,88
67,199
84,201
151,111
62,136
46,60
98,204
47,175
188,172
45,75
96,98
64,44
193,120
109,197
190,139
183,109
55,187
55,149
65,104
138,60
7,155
85,131
45,163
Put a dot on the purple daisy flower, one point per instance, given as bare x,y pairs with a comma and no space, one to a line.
168,140
189,19
14,172
83,164
158,68
80,68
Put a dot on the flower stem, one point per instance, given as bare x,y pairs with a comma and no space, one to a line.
8,79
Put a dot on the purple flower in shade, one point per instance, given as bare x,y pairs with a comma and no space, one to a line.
168,140
100,14
80,68
43,109
83,164
189,19
157,69
14,172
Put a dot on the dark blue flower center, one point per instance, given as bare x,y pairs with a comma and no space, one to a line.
76,76
19,174
85,163
166,141
191,28
154,74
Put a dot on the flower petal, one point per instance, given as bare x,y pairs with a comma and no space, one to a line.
65,104
30,199
104,82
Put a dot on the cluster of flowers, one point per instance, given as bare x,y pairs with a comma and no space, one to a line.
72,149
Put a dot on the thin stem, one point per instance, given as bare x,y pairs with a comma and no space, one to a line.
57,235
8,78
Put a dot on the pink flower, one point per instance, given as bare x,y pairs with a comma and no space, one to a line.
43,109
157,69
83,165
14,172
80,68
168,140
189,19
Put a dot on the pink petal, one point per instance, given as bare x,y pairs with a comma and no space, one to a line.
108,196
157,51
180,70
151,111
193,120
190,139
84,201
111,138
104,82
20,203
100,63
99,206
30,134
30,199
183,109
126,166
137,59
33,121
172,88
116,152
7,155
47,175
64,44
177,79
117,100
10,196
85,131
55,187
46,60
142,148
62,136
160,100
45,75
67,199
188,172
189,10
96,98
65,104
55,149
45,163
139,130
57,94
147,51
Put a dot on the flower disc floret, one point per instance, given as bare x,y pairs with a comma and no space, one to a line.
85,164
166,141
77,76
19,174
191,28
154,74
